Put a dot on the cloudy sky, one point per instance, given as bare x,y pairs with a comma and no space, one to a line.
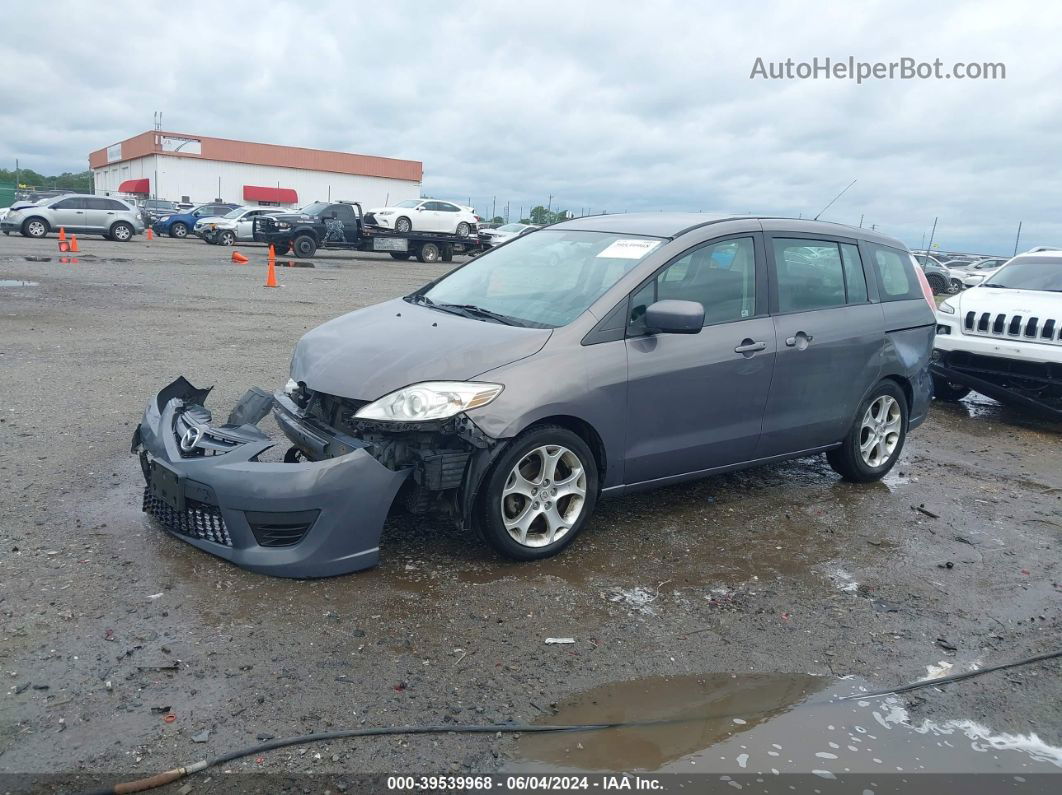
606,106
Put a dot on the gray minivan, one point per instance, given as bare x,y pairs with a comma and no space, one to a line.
78,214
591,358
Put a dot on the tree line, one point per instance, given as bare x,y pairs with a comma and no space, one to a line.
81,182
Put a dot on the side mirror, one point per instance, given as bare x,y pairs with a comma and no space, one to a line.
674,317
419,209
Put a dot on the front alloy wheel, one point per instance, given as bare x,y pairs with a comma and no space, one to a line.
543,496
539,494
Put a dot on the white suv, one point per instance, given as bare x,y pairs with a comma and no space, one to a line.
1003,338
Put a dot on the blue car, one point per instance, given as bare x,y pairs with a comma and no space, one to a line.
181,224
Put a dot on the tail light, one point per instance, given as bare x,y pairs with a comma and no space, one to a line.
927,291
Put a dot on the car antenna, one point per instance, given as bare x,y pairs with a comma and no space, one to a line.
835,198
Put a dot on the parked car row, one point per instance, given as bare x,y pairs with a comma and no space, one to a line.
954,272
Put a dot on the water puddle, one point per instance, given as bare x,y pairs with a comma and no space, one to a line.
17,283
769,724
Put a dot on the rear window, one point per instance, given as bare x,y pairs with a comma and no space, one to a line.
894,271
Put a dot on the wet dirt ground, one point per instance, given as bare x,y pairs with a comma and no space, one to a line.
750,592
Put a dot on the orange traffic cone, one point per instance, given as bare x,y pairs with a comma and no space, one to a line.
73,244
149,234
271,273
62,235
238,258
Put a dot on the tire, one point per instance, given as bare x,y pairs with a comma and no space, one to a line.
179,230
225,237
936,282
954,286
945,390
429,252
281,249
36,228
881,417
506,503
303,246
403,255
403,224
463,229
122,232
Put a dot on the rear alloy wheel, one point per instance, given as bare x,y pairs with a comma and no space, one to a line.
122,232
179,230
539,494
403,224
876,438
463,229
936,282
949,392
226,237
35,227
429,252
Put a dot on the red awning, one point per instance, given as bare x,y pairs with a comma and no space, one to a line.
135,186
253,193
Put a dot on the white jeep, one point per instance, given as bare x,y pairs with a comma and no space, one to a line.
1003,338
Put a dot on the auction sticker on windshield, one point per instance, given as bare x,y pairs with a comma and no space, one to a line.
629,249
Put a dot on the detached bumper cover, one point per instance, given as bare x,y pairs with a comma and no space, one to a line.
306,519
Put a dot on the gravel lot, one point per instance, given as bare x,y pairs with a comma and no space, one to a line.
781,570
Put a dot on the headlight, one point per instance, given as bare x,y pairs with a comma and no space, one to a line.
432,400
282,225
947,307
385,212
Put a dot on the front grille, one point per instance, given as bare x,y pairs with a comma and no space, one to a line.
197,520
1031,328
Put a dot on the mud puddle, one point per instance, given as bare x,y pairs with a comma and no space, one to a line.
17,283
69,260
769,724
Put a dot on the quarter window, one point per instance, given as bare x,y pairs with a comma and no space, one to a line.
895,273
720,276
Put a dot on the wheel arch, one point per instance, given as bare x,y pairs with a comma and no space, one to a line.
482,464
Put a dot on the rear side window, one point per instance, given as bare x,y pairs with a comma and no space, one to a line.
854,279
894,270
810,274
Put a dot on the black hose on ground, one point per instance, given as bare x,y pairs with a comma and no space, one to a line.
169,776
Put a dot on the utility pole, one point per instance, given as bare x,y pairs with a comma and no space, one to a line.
549,206
494,209
932,234
1016,239
861,220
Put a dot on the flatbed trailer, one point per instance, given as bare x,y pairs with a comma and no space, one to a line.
303,235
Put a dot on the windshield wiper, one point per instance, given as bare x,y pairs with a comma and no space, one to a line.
464,310
471,310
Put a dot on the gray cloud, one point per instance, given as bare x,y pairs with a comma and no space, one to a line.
607,106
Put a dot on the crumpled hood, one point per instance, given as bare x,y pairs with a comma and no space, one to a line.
368,353
1027,303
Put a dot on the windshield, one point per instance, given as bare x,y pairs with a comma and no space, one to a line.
315,208
546,279
512,228
239,211
408,203
1041,273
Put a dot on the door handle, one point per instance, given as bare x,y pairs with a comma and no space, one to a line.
800,340
750,346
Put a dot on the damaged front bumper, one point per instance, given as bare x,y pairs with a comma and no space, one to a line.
205,485
1033,386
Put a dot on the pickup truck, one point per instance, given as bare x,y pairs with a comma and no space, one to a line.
343,225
